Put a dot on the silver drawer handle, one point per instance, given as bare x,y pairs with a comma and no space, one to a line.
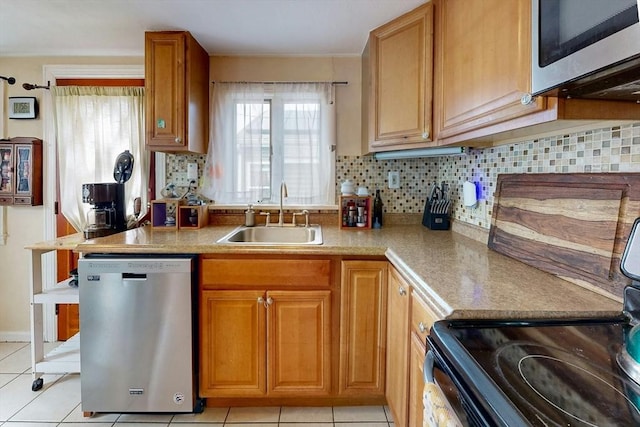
264,302
427,367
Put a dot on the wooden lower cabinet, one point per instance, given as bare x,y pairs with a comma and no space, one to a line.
304,331
265,343
233,344
268,328
422,319
416,380
397,373
299,342
362,327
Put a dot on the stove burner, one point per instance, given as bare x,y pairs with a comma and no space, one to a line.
527,367
562,388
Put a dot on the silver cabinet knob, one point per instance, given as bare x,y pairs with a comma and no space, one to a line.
178,140
265,302
402,291
527,99
425,135
422,327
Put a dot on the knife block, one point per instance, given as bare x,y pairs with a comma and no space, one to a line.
434,221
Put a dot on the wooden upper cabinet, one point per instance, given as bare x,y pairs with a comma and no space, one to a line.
398,83
483,70
177,93
483,64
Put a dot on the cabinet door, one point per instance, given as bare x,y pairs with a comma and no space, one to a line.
422,319
7,175
165,77
401,81
416,380
483,64
362,327
232,344
397,378
299,343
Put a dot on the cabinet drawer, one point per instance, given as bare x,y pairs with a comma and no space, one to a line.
218,273
6,200
22,200
422,317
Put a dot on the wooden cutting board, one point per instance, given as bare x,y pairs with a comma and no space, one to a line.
572,225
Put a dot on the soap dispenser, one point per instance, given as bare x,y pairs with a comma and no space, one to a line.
250,217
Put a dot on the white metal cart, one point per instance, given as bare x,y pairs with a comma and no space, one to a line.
66,357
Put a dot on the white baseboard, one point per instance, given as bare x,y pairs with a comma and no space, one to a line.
15,336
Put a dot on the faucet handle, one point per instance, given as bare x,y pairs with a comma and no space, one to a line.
268,215
306,217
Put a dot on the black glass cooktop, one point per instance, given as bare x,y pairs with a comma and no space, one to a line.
560,373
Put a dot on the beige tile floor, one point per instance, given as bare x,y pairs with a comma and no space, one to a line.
58,404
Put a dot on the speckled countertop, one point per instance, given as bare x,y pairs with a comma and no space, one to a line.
458,276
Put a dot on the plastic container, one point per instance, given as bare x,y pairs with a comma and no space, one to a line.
249,217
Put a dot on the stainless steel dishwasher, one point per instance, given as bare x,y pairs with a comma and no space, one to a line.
137,329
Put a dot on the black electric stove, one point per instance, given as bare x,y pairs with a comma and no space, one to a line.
580,372
538,373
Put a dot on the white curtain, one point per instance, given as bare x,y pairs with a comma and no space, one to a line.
93,126
263,134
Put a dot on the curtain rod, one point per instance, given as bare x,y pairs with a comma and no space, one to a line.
272,83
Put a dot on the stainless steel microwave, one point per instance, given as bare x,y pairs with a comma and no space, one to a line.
586,49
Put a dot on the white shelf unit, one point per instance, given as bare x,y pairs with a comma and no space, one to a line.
66,357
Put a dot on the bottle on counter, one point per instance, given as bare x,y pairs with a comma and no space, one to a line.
250,217
376,219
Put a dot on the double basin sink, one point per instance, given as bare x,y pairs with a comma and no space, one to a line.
274,235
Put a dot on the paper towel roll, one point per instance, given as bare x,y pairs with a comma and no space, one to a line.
469,197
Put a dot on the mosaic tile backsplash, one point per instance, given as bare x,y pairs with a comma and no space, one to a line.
615,149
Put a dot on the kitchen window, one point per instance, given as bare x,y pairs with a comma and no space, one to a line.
264,134
93,125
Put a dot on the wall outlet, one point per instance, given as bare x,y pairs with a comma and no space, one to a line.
394,179
192,171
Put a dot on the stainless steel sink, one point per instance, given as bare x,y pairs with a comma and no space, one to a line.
274,235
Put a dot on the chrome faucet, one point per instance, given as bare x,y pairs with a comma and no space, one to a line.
283,194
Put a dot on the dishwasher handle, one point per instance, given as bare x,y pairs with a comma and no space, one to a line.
134,276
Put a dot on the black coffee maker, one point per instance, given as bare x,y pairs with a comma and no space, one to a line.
108,212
